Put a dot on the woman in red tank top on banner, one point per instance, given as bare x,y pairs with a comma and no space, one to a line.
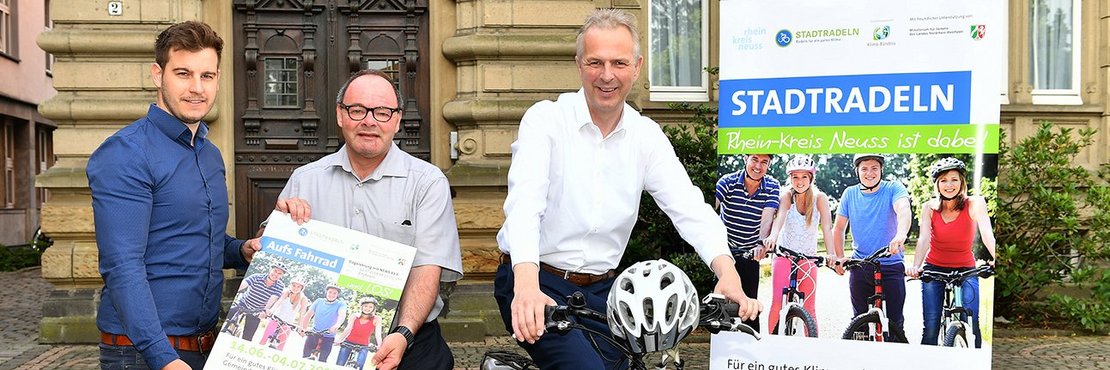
948,224
359,329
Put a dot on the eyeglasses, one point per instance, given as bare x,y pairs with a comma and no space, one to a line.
357,112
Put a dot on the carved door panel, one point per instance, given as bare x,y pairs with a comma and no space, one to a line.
291,57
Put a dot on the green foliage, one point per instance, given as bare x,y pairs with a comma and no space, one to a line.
695,268
1052,217
12,259
695,144
1088,313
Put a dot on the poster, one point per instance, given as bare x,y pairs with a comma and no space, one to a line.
317,296
912,82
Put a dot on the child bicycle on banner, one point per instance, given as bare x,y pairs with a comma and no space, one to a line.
948,224
802,209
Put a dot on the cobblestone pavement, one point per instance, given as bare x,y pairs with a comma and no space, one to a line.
25,289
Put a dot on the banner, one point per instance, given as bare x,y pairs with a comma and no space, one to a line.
857,109
317,296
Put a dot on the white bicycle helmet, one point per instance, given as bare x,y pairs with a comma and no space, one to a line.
801,163
652,306
944,164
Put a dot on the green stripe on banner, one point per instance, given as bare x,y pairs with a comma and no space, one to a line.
363,286
859,139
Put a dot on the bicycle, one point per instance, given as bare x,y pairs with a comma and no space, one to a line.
315,354
715,315
793,316
869,326
234,323
280,333
355,349
955,323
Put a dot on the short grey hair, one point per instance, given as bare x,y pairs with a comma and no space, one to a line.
356,75
607,18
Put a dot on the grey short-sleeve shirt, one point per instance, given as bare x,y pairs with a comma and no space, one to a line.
405,200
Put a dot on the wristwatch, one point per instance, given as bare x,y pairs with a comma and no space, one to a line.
405,332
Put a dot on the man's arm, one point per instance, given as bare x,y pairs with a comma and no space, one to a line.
837,242
905,216
529,179
123,196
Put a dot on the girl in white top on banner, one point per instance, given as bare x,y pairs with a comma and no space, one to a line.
290,306
802,209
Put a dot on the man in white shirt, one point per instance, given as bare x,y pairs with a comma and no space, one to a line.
579,167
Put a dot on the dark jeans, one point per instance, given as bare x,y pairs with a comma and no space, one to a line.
932,306
250,324
861,284
323,341
429,350
749,282
345,353
127,357
573,350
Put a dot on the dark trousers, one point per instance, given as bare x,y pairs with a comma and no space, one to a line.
127,357
429,350
250,322
323,341
574,350
861,284
749,282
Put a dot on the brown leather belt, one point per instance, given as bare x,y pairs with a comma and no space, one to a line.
576,278
196,343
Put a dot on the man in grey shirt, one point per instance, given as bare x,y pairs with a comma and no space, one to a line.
370,185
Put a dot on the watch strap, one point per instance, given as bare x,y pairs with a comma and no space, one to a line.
405,332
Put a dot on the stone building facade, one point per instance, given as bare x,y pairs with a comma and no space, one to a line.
470,67
25,135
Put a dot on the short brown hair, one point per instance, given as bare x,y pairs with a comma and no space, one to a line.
189,36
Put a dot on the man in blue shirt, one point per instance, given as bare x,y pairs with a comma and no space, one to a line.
879,212
160,208
748,200
326,314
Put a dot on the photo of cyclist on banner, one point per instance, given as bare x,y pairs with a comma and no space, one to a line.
803,211
879,214
326,315
748,200
948,225
261,291
283,313
355,338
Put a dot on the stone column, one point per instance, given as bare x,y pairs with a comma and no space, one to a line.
102,74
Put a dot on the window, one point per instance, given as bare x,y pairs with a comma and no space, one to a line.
44,155
7,28
678,50
1054,36
281,82
47,26
7,162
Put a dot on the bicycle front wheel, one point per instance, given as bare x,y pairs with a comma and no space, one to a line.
800,323
864,327
955,335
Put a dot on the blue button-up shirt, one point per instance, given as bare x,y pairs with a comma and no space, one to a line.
160,206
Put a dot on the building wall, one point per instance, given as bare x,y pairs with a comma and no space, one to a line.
25,84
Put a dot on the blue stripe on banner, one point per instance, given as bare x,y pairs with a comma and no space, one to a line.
879,99
302,254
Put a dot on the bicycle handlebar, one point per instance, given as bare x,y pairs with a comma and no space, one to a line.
716,314
853,263
955,277
786,252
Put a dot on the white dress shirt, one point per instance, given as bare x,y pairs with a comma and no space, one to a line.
574,195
